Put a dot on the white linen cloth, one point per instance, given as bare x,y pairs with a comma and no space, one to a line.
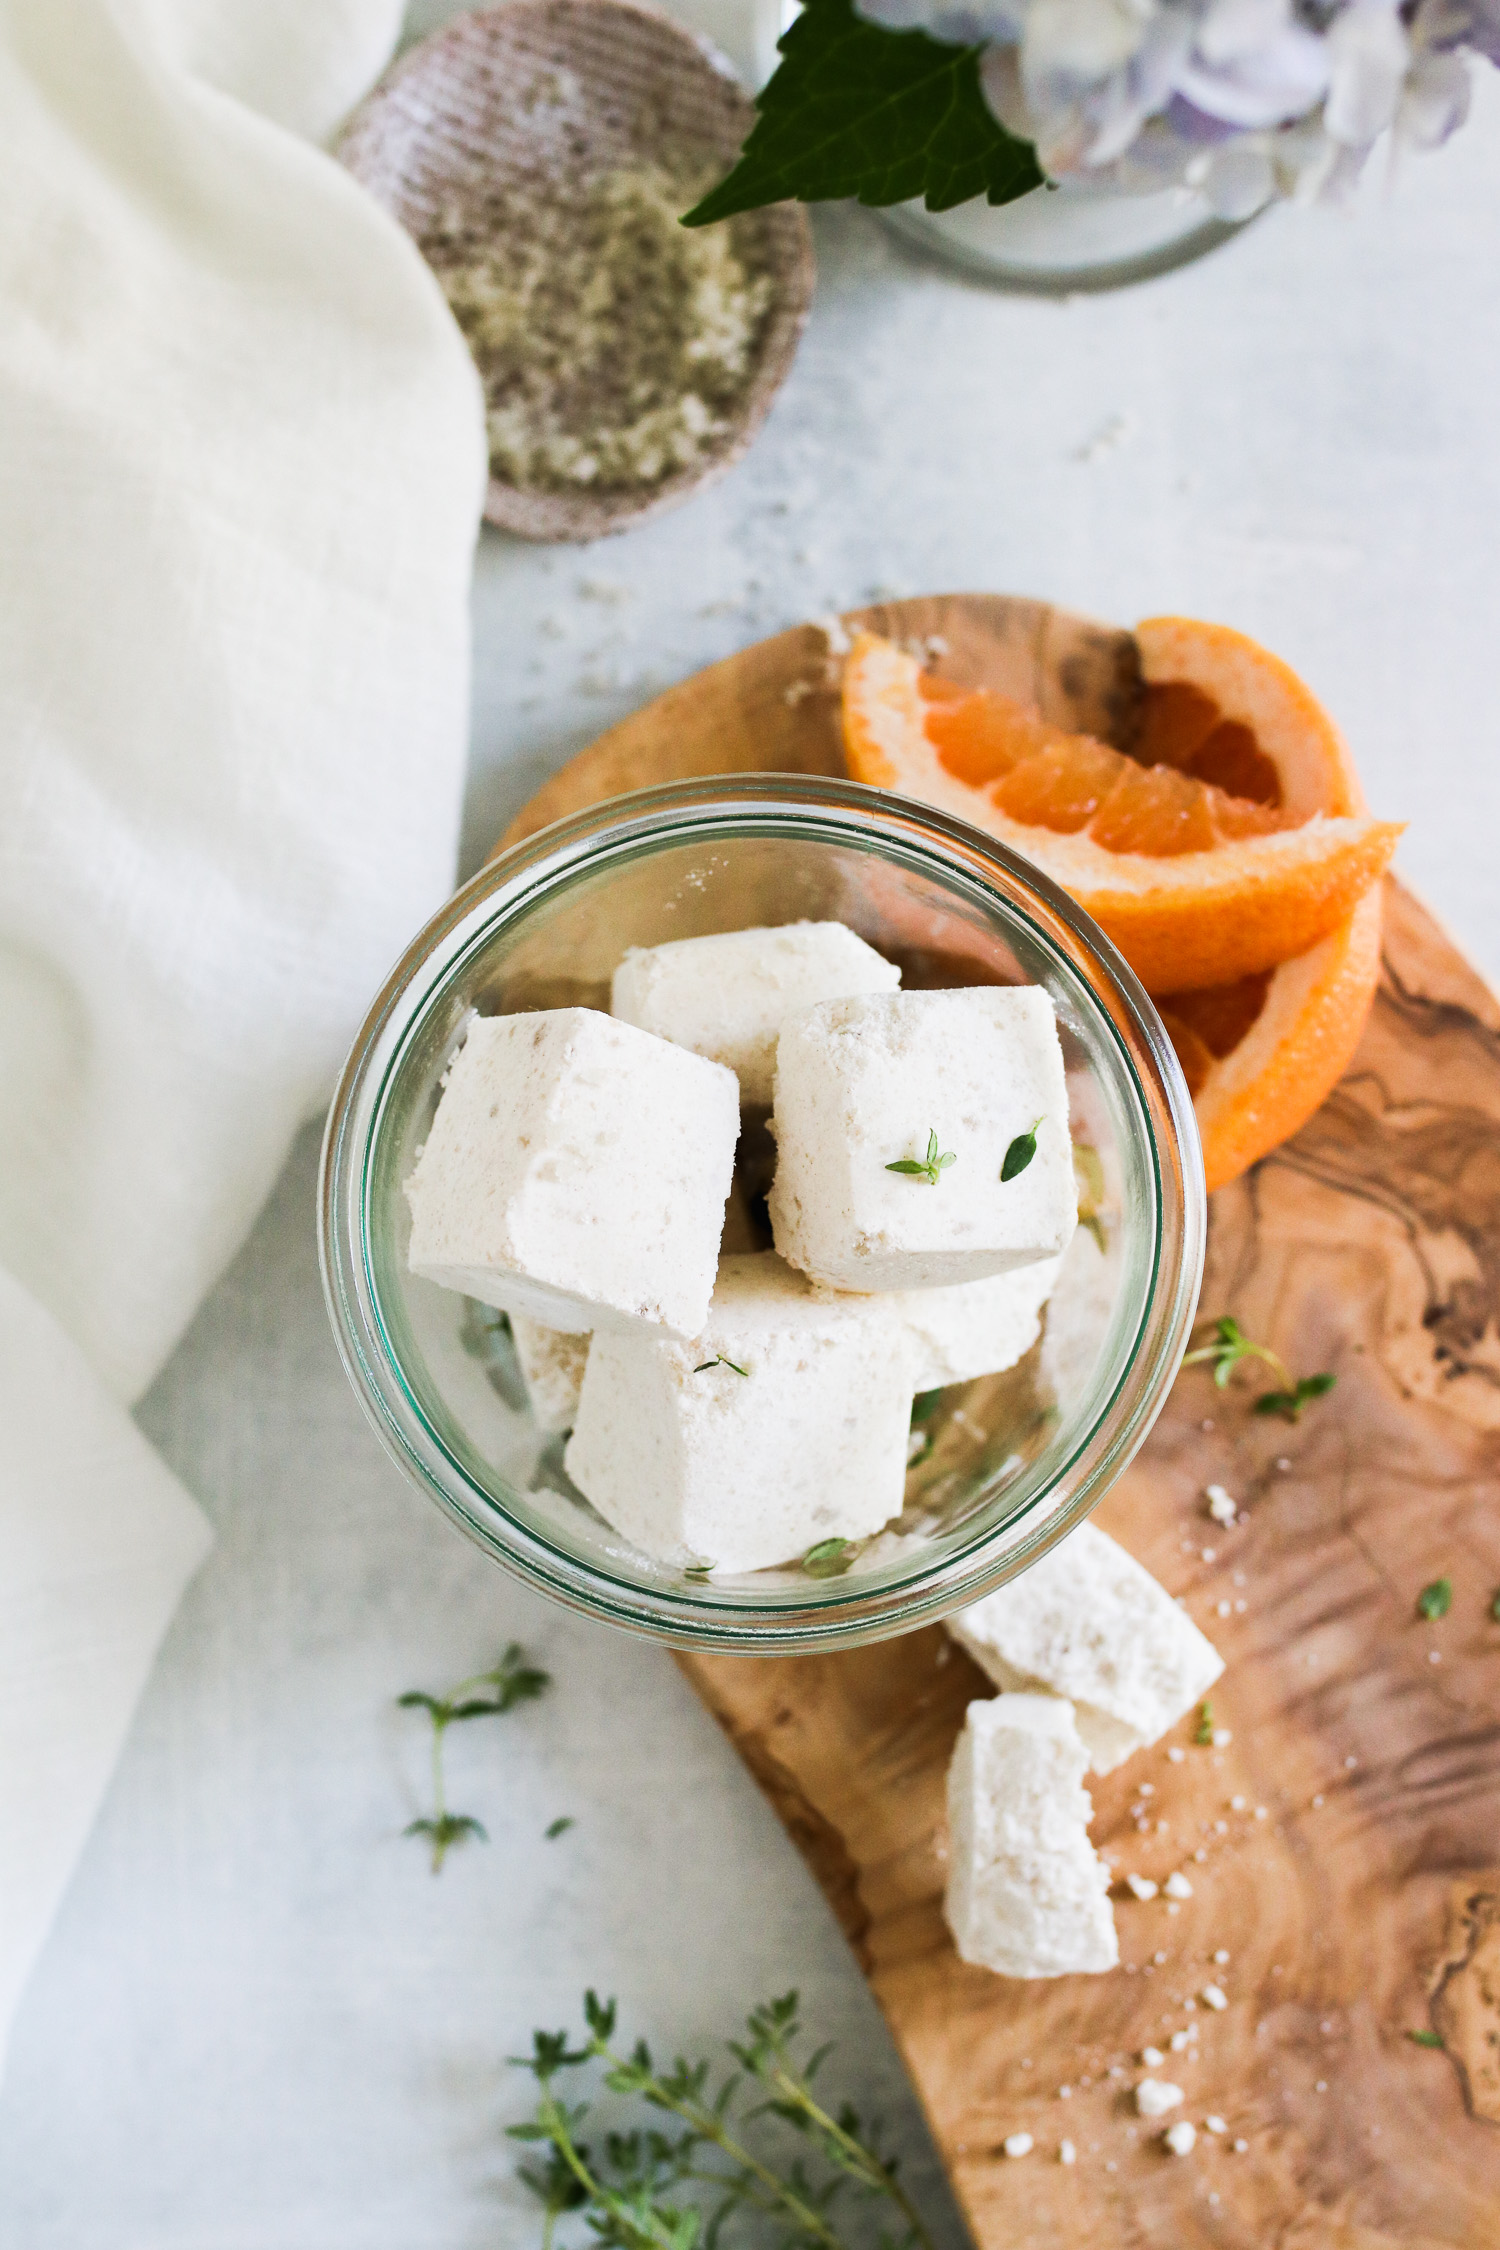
241,464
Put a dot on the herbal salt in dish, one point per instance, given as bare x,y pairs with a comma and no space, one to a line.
542,156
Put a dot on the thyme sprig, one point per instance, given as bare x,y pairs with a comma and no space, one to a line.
719,1360
513,1681
930,1167
652,2188
1229,1346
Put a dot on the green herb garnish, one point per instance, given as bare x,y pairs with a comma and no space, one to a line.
513,1681
926,1404
930,1167
1435,1600
1203,1733
698,1573
1230,1345
719,1360
829,1559
1289,1404
1022,1149
1495,1607
653,2188
559,1827
1424,2039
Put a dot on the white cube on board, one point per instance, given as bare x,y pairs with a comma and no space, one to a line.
1087,1623
1027,1894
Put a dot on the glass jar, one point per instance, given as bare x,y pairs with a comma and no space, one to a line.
1069,237
1008,1464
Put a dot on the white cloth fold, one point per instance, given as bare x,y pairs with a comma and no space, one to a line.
241,464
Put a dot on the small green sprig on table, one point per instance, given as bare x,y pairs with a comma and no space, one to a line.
655,2188
1229,1346
511,1681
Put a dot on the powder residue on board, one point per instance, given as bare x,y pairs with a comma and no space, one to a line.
615,344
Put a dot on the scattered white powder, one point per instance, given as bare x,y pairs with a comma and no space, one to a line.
615,344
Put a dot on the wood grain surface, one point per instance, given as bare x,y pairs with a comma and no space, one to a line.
1344,1847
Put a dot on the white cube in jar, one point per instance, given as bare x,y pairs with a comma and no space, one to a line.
783,1425
576,1172
897,1119
728,996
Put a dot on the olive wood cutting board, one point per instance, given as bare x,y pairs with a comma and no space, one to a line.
1344,1847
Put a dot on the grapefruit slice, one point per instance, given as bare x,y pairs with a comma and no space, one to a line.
1232,840
1261,1055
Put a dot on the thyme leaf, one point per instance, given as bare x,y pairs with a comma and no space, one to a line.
930,1167
1022,1149
1289,1404
719,1360
1425,2039
511,1681
1229,1346
1435,1600
830,1558
1203,1733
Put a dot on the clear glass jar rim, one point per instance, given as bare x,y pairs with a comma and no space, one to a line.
836,813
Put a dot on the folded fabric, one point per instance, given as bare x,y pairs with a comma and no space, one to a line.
241,465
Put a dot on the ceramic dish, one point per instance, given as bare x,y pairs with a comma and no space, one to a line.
499,116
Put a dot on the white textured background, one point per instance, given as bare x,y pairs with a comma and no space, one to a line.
260,2024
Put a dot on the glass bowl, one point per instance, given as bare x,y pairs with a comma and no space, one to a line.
1004,1466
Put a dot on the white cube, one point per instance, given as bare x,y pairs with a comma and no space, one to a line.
576,1172
866,1083
728,997
1089,1624
783,1425
977,1328
552,1364
1027,1894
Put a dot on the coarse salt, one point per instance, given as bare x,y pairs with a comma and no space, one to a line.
1155,2096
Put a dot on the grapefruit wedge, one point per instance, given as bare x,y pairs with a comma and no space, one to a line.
1234,838
1260,1056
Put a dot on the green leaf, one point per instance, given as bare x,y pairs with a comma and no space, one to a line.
1437,1599
930,1167
886,116
1022,1149
1495,1607
924,1406
559,1827
1203,1733
720,1361
1425,2039
829,1559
